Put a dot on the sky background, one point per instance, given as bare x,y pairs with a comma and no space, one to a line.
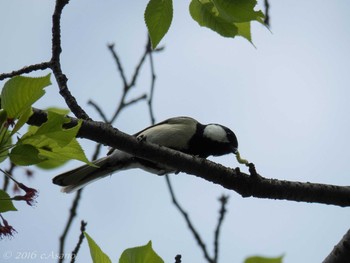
287,101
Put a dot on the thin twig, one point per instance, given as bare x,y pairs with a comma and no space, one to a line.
188,221
27,69
138,67
6,179
267,11
135,100
127,86
99,110
72,214
223,200
153,80
119,65
178,259
80,241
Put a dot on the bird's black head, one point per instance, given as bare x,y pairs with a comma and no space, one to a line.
214,139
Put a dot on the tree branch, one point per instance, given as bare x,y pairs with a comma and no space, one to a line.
223,201
80,241
341,252
232,179
189,223
153,81
27,69
72,215
267,12
119,66
128,85
56,65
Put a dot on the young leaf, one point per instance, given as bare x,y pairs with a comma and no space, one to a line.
143,254
22,119
97,255
53,129
5,143
57,156
238,11
25,154
19,93
244,31
55,145
205,14
5,202
158,17
258,259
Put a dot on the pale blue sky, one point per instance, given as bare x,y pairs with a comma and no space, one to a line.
287,101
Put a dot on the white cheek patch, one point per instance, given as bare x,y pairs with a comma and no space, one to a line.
215,133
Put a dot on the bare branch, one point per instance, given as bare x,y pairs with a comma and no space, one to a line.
99,110
27,69
178,259
138,67
267,11
341,252
189,223
6,179
135,100
119,65
127,86
56,65
72,215
223,201
80,241
153,80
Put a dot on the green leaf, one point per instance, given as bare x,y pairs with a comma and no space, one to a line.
53,129
143,254
205,14
19,93
22,119
58,156
244,31
5,143
238,11
25,154
53,144
5,202
3,117
259,259
61,111
97,255
158,17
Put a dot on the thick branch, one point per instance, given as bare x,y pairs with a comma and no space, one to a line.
244,184
341,252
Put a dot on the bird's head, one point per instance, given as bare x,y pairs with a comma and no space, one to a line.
221,137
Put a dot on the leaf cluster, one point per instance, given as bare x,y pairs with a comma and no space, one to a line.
229,18
47,146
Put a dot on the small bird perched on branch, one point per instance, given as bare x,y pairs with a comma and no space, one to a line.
183,134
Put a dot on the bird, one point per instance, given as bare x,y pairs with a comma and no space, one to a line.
183,134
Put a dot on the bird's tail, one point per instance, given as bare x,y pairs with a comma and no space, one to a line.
79,177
